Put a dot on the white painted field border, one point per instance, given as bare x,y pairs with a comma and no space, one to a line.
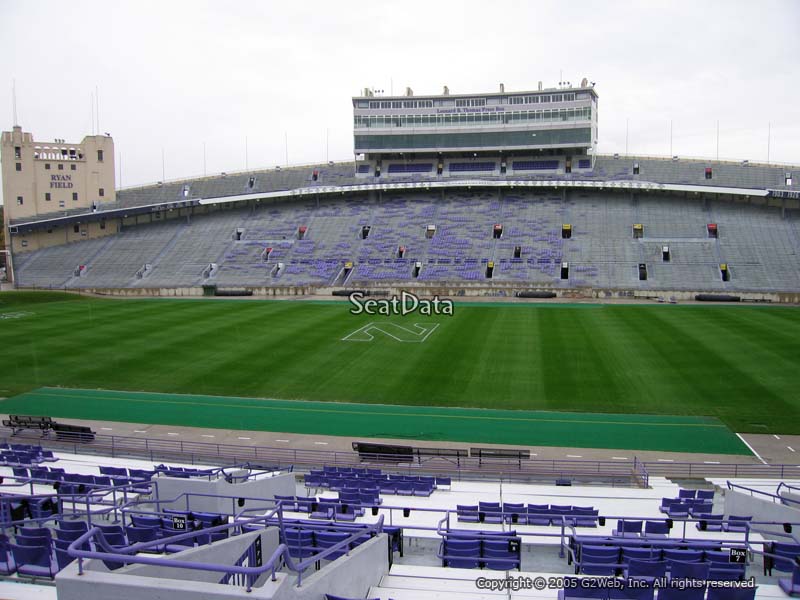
756,454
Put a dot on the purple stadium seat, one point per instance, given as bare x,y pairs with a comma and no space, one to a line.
688,570
791,585
7,564
574,590
737,593
33,561
676,593
646,569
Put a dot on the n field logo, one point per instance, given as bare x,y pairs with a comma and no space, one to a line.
410,334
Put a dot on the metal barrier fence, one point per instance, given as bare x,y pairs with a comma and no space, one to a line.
636,473
611,473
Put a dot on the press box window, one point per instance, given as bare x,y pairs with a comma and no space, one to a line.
17,152
99,156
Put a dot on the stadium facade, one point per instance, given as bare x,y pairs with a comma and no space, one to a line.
458,194
524,128
48,178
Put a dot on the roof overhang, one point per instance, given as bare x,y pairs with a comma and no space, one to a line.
624,185
478,183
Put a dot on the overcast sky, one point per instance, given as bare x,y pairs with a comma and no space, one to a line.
176,75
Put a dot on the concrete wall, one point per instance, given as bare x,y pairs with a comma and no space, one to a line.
72,181
224,552
348,576
267,488
461,290
792,496
743,504
58,236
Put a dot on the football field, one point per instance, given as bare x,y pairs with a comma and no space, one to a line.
731,365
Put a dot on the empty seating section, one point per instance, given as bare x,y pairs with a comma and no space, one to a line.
462,167
605,168
534,165
363,486
42,551
597,555
462,549
124,254
695,503
410,168
499,531
307,538
23,455
533,514
781,556
54,266
757,244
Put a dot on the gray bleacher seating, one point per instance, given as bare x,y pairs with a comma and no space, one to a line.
758,244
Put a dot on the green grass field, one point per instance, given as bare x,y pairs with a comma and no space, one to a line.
736,363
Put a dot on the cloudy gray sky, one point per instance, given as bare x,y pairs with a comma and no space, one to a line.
176,75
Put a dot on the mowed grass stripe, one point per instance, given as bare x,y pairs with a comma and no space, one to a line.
513,427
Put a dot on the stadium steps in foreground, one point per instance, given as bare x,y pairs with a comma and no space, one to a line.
407,582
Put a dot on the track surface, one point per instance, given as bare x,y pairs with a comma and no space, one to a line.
519,428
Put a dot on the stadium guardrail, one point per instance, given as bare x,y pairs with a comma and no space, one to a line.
775,498
636,473
611,473
249,574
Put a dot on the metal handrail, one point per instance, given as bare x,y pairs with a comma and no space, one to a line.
783,484
781,499
641,471
125,554
285,458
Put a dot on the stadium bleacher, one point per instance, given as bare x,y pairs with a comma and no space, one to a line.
757,244
419,546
